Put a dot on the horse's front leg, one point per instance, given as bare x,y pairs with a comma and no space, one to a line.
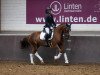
61,50
59,55
66,58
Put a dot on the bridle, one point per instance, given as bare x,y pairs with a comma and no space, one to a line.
67,32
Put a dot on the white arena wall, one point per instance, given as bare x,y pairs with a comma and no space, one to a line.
13,18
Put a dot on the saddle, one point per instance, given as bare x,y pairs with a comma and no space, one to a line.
47,35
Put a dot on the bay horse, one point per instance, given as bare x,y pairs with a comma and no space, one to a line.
57,41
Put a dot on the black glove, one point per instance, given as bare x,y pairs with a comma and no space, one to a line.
54,26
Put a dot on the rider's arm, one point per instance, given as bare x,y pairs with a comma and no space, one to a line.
46,20
54,24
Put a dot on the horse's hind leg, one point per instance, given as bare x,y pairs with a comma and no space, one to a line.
32,55
34,52
66,59
31,58
40,58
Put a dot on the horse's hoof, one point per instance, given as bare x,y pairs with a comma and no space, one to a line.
55,60
42,62
32,63
55,57
66,64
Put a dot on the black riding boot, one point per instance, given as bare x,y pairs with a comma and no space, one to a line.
47,43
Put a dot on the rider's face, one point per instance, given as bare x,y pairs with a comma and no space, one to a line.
50,11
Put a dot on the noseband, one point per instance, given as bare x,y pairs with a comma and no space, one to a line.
66,33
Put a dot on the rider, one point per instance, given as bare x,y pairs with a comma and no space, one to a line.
49,24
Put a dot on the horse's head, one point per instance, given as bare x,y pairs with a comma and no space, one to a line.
68,27
66,30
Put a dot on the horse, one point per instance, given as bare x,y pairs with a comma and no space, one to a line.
35,42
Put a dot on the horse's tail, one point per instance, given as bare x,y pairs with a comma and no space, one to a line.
24,43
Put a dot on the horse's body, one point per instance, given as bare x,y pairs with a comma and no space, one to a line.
57,41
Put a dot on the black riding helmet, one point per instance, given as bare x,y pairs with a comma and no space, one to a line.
47,10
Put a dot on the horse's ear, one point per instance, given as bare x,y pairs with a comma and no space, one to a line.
68,25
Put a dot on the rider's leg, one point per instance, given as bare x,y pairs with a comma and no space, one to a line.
47,35
46,38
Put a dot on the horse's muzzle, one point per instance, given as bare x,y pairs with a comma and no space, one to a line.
66,36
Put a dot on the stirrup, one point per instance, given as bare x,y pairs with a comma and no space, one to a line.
48,44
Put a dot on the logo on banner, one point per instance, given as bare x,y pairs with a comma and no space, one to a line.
97,7
56,7
67,7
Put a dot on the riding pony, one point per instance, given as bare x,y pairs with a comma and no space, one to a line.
35,42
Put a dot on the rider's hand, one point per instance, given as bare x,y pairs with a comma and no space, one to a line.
54,27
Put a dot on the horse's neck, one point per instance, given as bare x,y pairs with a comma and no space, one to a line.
59,31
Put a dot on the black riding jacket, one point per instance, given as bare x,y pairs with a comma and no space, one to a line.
49,22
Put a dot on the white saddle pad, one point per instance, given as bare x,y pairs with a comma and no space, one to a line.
42,36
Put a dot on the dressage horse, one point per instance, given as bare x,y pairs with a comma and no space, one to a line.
57,41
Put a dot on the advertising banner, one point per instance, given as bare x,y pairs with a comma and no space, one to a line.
74,11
